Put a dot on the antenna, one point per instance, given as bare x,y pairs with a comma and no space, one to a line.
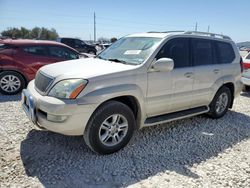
94,28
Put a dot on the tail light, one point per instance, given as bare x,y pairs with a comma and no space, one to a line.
246,65
241,65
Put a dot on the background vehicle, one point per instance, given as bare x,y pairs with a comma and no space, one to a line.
141,80
78,44
20,60
246,61
246,79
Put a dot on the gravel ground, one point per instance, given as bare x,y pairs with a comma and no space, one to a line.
195,152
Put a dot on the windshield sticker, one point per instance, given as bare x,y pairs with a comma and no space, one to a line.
132,52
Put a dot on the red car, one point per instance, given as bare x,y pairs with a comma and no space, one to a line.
20,60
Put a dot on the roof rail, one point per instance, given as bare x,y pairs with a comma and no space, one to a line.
166,31
207,34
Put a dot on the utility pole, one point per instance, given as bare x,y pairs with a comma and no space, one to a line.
94,28
208,28
196,26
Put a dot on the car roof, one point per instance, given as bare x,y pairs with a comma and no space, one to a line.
20,42
206,35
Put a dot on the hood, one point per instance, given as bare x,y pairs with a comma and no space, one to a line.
85,68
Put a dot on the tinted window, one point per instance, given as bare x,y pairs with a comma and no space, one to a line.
63,53
79,43
36,50
3,46
202,52
178,50
225,52
69,42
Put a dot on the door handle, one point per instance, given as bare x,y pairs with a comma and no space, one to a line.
188,74
216,71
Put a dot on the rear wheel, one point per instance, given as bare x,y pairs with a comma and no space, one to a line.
11,83
220,103
110,128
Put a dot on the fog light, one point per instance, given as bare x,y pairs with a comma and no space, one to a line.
56,118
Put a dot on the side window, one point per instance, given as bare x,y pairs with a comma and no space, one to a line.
225,52
36,50
68,42
63,53
3,46
202,52
178,50
79,43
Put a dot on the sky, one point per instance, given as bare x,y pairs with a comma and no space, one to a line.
117,18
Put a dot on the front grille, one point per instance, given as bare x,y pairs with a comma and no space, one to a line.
42,81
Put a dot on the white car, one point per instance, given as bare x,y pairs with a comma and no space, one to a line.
246,79
139,81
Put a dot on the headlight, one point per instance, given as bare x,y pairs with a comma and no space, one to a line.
68,89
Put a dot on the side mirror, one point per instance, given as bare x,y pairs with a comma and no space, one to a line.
163,64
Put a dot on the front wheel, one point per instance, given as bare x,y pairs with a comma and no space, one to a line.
110,128
11,83
220,104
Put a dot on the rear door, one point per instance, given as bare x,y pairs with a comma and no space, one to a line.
207,70
34,56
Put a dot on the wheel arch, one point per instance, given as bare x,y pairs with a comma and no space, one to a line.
19,72
231,87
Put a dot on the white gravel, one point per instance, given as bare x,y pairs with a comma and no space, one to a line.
195,152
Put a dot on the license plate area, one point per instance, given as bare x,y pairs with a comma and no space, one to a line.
28,104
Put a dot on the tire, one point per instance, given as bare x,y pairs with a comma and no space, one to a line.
100,126
16,81
223,94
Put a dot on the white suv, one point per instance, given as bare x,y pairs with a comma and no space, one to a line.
141,80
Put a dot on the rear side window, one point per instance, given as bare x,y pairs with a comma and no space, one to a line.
59,52
4,46
178,50
36,50
202,52
79,43
225,53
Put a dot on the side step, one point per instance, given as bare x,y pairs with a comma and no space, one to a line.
176,115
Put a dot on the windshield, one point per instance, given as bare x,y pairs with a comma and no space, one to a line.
130,50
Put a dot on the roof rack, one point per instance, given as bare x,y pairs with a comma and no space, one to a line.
207,34
166,31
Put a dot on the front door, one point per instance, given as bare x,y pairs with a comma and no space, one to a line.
171,91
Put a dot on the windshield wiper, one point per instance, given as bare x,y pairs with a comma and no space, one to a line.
118,61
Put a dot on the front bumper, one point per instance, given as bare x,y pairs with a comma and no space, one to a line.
71,118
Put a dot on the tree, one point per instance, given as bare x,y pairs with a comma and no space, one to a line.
35,33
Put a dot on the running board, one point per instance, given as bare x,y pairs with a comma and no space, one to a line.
176,115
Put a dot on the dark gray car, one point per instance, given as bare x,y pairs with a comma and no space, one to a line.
78,44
